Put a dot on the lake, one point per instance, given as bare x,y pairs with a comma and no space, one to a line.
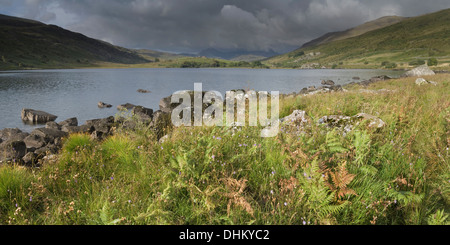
75,93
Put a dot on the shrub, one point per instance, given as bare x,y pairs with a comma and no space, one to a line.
432,62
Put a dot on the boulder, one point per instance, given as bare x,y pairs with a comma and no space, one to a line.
6,133
69,122
356,78
53,125
165,104
34,141
12,151
143,91
125,107
49,149
49,134
142,113
17,137
328,83
419,71
33,116
374,122
101,127
103,105
296,118
347,124
78,129
30,158
422,81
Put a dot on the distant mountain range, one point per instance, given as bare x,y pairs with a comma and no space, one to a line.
235,55
389,42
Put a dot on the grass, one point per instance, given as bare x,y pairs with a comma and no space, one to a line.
418,37
209,175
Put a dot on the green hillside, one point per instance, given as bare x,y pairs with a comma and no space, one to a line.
403,44
354,32
27,44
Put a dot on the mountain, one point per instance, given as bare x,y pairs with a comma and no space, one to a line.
397,45
152,55
26,44
236,54
357,31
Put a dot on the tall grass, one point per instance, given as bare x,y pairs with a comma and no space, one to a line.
215,175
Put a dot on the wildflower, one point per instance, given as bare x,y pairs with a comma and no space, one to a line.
214,137
129,201
285,204
304,222
112,178
162,148
213,157
273,172
31,198
271,192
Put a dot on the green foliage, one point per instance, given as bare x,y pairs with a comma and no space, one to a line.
417,63
395,175
432,62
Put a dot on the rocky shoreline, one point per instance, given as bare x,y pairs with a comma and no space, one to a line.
28,149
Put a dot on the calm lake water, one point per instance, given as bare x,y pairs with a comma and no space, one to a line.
75,93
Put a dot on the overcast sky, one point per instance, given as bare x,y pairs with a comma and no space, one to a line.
194,25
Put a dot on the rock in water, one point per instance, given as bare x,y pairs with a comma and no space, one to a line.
33,116
143,91
328,83
125,107
422,70
103,105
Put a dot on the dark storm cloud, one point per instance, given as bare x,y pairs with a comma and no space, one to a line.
192,25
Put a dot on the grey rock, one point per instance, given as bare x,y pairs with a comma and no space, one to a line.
35,141
421,81
422,70
12,151
30,158
78,129
49,134
101,125
53,125
49,149
328,82
103,105
143,114
125,107
34,116
18,137
69,122
296,118
143,91
6,133
374,122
